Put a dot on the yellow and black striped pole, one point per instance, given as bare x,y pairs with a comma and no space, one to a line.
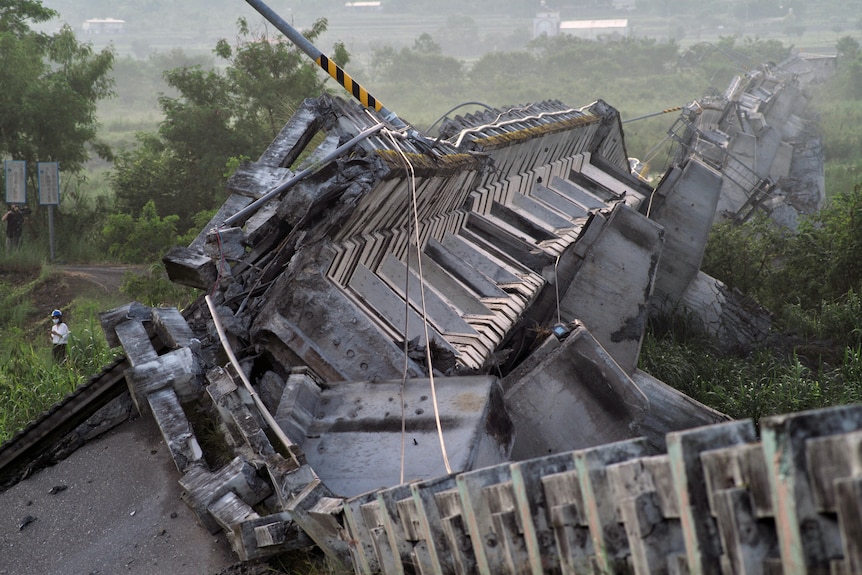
331,68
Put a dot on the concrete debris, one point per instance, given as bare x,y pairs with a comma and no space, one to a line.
431,319
513,257
432,350
758,136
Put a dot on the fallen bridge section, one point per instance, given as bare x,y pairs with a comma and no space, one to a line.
758,134
715,499
499,278
718,501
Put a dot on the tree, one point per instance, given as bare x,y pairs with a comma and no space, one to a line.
219,114
14,15
49,91
421,71
140,240
847,47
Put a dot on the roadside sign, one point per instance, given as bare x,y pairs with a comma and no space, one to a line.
16,181
49,183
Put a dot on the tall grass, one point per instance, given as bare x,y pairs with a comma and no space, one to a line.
30,381
761,383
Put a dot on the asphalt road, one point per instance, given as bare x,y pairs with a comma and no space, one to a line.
111,507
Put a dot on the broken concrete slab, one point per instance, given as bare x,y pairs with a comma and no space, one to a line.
355,437
571,397
627,244
177,370
685,210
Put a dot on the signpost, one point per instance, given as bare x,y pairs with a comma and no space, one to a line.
16,181
49,194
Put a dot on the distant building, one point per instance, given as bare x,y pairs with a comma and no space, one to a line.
624,4
364,6
104,26
596,29
546,22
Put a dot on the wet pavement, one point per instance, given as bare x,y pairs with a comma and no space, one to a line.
112,507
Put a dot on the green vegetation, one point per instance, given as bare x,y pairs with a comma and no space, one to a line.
235,111
811,281
49,91
30,382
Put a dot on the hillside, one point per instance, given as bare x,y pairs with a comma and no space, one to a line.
64,288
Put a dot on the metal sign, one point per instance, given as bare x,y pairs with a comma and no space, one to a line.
16,181
49,183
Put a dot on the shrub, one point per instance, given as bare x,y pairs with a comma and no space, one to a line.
140,240
153,288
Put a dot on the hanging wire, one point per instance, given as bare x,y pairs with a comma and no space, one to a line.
415,225
557,288
496,122
443,117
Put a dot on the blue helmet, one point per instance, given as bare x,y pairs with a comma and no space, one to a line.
56,313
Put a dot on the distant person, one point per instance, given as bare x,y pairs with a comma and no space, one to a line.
14,219
59,336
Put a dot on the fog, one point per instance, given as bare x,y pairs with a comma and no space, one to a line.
169,34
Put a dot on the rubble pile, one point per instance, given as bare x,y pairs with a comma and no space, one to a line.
421,356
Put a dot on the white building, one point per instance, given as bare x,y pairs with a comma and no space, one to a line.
548,22
364,6
104,26
596,29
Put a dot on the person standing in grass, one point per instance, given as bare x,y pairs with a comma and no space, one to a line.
14,219
59,336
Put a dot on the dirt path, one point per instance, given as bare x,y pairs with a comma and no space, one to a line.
67,283
108,278
63,285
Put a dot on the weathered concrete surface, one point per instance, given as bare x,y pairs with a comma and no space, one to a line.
354,442
736,320
575,397
120,512
685,210
611,292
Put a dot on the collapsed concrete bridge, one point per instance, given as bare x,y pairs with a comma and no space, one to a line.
516,259
422,355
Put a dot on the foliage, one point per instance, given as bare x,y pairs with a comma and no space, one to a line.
730,56
220,113
79,220
154,288
743,255
821,262
140,240
757,385
420,71
811,280
828,329
30,382
847,48
15,16
814,269
49,91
